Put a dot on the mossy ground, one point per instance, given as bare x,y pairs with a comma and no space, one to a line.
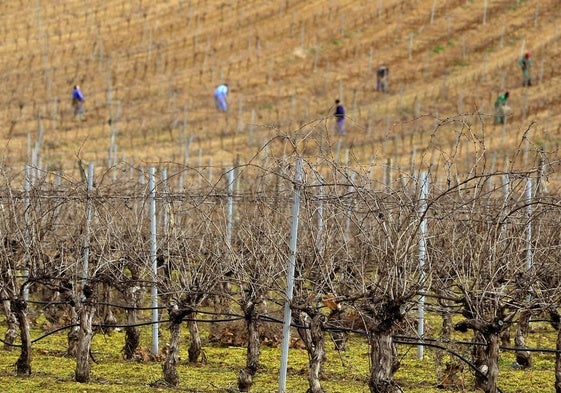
344,372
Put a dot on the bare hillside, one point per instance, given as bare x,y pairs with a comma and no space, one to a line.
148,70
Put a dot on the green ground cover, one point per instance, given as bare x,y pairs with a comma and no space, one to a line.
344,372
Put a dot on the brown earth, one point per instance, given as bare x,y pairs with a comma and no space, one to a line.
148,69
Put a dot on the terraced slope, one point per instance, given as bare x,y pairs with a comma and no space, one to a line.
148,70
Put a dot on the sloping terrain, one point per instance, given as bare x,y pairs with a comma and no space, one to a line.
148,70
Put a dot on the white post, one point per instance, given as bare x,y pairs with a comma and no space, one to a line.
167,205
432,12
58,183
200,165
35,154
250,129
422,252
240,113
506,187
153,259
27,234
89,209
347,234
528,223
114,130
319,240
230,211
185,161
290,276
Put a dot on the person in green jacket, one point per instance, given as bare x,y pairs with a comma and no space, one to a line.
500,104
525,64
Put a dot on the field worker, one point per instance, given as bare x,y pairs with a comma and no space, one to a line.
525,64
340,117
382,78
78,102
501,107
220,94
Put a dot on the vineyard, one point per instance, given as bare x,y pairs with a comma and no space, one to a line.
347,255
148,71
154,243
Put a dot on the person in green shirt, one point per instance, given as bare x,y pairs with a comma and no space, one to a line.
500,104
525,64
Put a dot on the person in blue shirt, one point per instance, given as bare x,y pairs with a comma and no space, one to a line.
78,102
340,117
220,94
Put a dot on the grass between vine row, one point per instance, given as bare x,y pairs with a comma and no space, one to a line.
343,372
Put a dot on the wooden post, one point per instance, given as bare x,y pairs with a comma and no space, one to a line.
525,105
537,13
432,11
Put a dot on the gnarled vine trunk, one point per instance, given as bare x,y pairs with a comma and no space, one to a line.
523,358
245,376
445,334
85,334
23,364
489,385
339,337
316,352
67,293
12,321
487,356
479,360
195,346
556,324
132,334
177,313
382,314
172,358
222,306
52,311
383,362
105,311
558,362
73,333
302,320
311,331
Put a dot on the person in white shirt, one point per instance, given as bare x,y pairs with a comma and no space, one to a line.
220,94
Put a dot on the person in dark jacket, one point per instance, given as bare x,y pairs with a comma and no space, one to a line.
382,78
525,64
340,117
